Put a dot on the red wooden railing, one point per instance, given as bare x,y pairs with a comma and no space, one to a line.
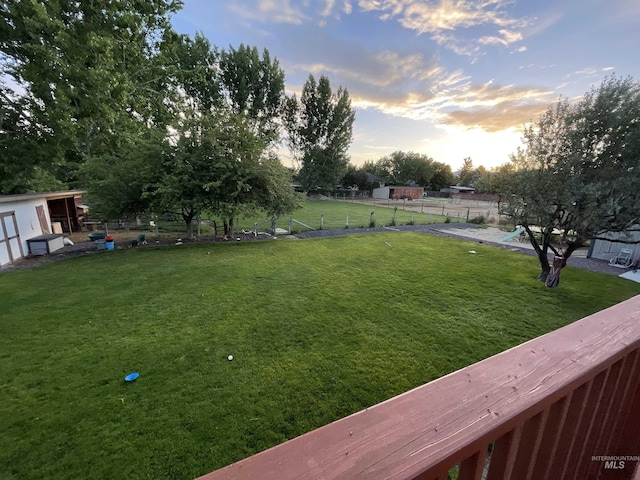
547,409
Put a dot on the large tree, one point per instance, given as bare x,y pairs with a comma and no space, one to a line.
320,130
220,164
407,167
81,72
466,173
357,177
221,158
579,173
254,86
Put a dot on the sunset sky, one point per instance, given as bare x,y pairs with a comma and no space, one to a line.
447,78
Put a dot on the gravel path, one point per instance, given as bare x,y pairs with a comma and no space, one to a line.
451,230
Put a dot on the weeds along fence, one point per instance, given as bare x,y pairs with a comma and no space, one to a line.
329,214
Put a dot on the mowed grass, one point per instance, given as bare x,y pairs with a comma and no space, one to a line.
340,214
318,329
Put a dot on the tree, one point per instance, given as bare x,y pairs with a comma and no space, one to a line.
442,177
320,130
80,68
119,183
193,74
254,86
22,149
402,168
357,177
467,172
580,172
220,164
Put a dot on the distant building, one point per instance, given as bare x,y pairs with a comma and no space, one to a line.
458,189
398,192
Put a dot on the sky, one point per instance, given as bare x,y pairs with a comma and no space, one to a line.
447,78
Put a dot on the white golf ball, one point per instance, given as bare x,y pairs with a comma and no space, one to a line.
230,357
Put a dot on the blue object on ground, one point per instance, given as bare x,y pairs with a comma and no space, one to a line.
131,377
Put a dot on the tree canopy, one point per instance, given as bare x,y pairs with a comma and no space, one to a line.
402,168
254,86
89,71
106,96
580,171
320,130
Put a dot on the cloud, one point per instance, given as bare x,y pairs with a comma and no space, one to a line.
270,11
454,24
487,107
418,87
496,118
394,83
332,8
494,108
328,8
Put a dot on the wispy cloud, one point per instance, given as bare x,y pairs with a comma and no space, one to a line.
495,108
270,11
488,107
450,22
419,87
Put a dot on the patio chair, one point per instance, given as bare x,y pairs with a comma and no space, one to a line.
623,259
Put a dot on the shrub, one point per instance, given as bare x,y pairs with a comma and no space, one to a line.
478,220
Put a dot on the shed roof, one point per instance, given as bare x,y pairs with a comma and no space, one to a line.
37,196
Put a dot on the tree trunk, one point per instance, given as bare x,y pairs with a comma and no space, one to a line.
545,268
228,227
559,262
541,252
188,216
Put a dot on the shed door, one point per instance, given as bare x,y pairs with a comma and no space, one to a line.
10,244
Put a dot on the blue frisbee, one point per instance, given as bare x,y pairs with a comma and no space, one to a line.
131,377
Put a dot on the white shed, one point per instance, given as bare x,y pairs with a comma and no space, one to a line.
25,217
381,193
606,250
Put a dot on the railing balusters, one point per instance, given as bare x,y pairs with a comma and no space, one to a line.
595,413
624,403
629,440
472,468
597,436
530,445
552,429
568,432
573,455
504,455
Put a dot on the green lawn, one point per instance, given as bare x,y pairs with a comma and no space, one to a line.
327,215
318,329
